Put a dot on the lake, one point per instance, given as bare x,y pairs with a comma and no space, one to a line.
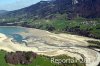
12,32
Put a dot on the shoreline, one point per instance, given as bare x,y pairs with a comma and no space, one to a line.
54,46
50,32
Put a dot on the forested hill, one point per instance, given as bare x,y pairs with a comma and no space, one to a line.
46,9
42,9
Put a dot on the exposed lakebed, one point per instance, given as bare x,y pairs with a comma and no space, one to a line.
50,44
12,32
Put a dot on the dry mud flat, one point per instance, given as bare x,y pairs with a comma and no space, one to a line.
50,44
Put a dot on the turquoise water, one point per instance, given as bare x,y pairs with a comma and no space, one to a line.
12,32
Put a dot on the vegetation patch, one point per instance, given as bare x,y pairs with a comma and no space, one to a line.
32,59
94,44
20,57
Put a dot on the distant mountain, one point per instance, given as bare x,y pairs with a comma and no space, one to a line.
2,11
47,9
41,9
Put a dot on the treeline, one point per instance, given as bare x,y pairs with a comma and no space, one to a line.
82,32
20,57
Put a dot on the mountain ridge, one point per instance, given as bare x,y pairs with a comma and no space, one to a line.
43,9
79,17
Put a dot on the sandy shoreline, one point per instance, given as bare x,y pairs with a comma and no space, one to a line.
46,43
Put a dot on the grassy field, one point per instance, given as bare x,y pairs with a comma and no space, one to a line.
2,60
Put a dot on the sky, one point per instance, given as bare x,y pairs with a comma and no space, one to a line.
15,4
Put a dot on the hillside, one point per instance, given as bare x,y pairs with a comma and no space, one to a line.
79,17
41,9
88,8
45,9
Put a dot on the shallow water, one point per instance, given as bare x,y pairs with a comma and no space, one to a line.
12,32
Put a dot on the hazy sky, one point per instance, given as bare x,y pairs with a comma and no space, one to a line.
15,4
